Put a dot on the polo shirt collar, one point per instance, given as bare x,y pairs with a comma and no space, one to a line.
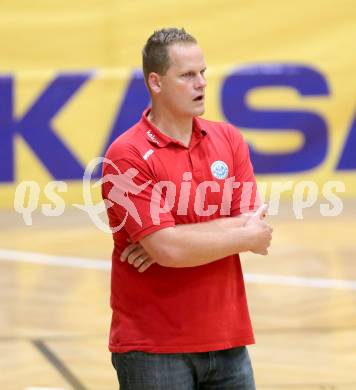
157,138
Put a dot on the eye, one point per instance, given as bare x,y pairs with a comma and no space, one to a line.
188,74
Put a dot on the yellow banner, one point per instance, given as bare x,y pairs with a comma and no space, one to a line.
69,84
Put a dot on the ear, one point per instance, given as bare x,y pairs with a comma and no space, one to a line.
154,82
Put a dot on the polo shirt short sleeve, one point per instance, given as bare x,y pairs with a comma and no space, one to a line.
129,180
246,197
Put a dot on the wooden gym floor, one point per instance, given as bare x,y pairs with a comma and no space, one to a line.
55,314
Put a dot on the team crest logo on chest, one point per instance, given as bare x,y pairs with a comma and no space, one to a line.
219,169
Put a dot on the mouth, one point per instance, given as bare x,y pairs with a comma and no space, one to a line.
198,98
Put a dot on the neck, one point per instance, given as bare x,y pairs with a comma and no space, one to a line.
169,124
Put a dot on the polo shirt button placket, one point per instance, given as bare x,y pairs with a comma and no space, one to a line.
195,164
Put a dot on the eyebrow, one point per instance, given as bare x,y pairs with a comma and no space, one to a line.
193,71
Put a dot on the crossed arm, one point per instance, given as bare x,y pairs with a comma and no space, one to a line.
196,244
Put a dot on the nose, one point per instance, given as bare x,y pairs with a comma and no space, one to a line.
200,81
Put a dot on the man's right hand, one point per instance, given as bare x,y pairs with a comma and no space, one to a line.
260,231
137,256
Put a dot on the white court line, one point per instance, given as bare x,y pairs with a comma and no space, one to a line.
301,281
105,265
64,261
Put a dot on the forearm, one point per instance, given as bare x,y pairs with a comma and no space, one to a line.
191,245
219,223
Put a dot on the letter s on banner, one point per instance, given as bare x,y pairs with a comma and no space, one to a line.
307,82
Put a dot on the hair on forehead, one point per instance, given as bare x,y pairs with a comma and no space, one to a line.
155,56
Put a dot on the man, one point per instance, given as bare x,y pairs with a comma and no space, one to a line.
180,317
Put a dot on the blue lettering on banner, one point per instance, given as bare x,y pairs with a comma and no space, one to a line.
37,131
35,128
6,130
348,156
306,81
136,99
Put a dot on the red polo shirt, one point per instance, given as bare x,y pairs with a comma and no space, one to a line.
160,183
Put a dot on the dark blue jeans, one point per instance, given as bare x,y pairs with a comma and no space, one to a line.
219,370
